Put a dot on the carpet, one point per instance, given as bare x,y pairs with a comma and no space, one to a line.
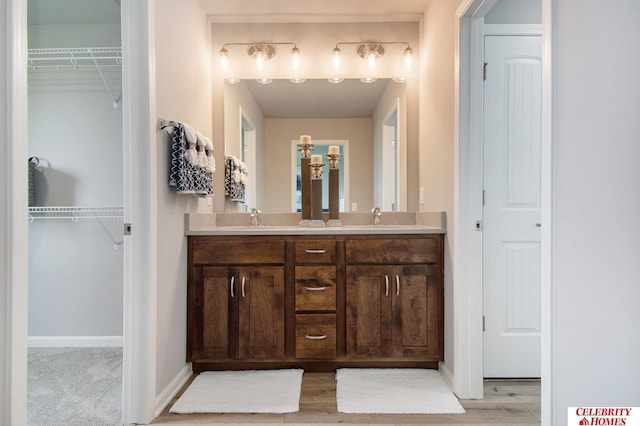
394,391
253,391
74,386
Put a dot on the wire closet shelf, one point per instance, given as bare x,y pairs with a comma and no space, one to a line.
74,57
75,213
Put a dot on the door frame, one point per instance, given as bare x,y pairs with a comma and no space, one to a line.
140,254
468,119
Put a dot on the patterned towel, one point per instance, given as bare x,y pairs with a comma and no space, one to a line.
235,179
186,174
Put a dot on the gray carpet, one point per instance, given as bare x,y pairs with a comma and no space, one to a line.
74,386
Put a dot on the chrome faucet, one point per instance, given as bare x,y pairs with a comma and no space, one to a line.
255,220
377,216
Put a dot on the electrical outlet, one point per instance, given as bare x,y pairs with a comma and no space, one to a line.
422,195
354,207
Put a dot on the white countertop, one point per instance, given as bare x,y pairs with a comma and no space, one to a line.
287,224
303,230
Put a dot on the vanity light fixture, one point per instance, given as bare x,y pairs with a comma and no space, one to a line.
371,51
264,80
336,80
260,53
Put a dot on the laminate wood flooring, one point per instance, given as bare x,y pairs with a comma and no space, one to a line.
513,402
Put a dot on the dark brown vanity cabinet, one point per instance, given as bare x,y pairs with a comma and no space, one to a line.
236,311
317,303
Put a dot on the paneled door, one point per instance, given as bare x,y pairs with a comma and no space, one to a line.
511,232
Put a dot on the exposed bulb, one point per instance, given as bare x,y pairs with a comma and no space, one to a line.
408,57
371,59
295,58
224,59
259,58
337,57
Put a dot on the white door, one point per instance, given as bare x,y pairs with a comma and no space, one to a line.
511,232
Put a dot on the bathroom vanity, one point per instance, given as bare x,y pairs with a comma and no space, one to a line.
318,299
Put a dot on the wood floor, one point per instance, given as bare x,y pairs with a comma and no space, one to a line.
505,402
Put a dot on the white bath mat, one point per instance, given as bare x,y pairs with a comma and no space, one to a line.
394,391
254,391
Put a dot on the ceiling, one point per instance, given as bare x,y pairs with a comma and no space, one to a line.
316,11
51,12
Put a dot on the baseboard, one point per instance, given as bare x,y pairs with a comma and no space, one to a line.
74,341
447,376
172,389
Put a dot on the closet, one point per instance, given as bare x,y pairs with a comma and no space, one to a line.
76,177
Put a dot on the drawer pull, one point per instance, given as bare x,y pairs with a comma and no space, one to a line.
315,251
315,288
243,279
386,285
397,285
231,285
320,337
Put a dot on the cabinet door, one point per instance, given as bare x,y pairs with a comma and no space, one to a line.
417,314
211,310
261,326
368,311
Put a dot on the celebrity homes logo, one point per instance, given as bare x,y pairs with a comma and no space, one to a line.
604,416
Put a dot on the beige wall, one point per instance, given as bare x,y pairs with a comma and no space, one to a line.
183,93
437,135
279,134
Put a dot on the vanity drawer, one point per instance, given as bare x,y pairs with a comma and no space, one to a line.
215,251
315,336
315,251
315,288
394,250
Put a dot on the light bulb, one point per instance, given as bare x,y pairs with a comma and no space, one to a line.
336,58
371,59
259,57
295,58
224,59
408,57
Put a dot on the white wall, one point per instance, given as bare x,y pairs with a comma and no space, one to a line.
75,274
596,291
183,93
436,137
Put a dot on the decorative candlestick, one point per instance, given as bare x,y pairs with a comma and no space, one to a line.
334,187
305,147
316,192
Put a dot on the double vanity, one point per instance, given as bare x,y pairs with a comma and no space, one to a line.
276,295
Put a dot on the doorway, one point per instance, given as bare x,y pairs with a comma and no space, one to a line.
76,261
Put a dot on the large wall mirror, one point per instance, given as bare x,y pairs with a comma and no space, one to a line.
263,121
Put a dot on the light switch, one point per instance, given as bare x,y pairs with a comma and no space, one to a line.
422,195
354,207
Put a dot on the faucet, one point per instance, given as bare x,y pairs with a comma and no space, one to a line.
254,217
377,215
